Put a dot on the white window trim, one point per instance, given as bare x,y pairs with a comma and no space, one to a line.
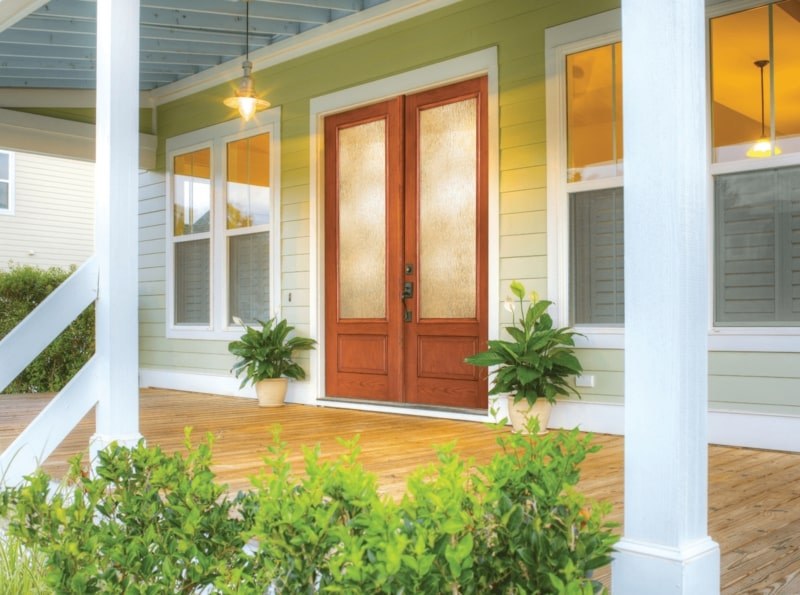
588,33
483,62
216,137
11,184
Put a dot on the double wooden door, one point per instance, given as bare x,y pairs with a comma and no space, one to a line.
406,248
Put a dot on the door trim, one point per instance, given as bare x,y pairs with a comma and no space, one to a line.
479,63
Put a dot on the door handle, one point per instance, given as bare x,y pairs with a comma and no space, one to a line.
408,290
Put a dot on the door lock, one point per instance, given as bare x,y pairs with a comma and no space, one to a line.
408,290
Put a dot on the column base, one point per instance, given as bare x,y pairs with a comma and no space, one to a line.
640,567
100,442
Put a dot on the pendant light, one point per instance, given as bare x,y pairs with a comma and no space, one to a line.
245,99
763,146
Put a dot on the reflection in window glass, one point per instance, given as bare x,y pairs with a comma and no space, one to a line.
192,192
594,113
248,192
742,115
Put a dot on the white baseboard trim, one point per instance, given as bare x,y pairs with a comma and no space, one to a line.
729,428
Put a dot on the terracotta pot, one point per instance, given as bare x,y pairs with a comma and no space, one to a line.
520,413
271,392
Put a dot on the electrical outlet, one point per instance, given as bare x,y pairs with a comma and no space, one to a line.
585,381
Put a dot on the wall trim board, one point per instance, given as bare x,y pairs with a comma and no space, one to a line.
728,428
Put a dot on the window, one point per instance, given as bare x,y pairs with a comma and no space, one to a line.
223,250
755,163
6,183
594,185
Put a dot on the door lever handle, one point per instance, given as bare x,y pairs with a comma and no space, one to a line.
408,290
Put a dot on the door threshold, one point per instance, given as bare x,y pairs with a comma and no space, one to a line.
406,408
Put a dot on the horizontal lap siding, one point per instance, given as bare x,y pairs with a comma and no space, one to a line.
53,213
156,351
741,381
738,381
516,27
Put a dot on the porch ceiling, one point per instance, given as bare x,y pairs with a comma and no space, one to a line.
54,46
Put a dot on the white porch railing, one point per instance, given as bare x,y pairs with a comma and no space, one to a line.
21,346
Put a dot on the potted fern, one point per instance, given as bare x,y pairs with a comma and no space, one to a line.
265,359
534,367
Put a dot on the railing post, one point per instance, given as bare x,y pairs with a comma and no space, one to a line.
116,229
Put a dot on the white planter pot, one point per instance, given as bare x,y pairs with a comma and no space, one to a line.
520,413
271,392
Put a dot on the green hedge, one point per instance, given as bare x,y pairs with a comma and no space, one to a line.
151,522
21,289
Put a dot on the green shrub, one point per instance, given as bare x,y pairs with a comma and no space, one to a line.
147,523
21,289
152,522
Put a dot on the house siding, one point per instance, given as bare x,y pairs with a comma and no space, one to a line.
53,220
751,382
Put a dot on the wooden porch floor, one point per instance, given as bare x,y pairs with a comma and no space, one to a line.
754,495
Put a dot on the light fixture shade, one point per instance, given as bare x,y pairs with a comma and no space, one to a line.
245,99
763,147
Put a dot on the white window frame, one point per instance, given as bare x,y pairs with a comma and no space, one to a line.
11,186
584,34
216,138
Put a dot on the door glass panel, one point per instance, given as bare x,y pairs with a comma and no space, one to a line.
447,210
248,192
362,221
192,192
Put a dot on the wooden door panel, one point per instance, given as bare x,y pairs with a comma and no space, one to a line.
435,346
411,351
443,357
363,355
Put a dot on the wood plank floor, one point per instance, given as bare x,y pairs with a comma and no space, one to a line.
754,496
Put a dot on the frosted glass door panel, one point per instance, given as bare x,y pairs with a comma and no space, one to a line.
447,210
362,221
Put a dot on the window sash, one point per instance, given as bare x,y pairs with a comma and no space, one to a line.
757,248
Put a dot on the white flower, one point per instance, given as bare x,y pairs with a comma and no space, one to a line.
534,297
508,304
238,321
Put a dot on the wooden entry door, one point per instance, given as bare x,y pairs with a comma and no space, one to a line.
406,248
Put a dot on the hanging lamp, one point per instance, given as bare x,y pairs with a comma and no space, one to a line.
245,99
763,146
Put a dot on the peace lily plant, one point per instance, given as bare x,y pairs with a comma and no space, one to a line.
265,358
537,362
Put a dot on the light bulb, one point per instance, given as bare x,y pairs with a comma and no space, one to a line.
763,148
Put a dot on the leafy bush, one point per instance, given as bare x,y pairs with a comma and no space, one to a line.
21,289
156,523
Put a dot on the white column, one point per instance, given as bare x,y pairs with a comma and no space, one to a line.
665,548
116,222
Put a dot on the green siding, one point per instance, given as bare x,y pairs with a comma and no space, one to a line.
760,382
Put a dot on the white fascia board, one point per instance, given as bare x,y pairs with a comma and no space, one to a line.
12,11
372,19
32,133
55,98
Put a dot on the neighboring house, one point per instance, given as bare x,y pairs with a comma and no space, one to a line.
421,155
46,210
